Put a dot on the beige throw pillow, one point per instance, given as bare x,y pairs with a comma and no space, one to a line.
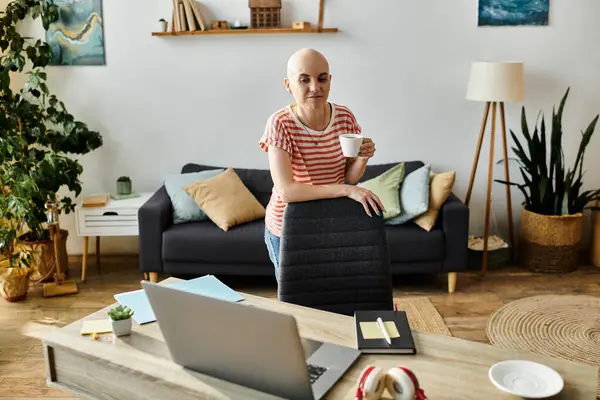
439,190
226,200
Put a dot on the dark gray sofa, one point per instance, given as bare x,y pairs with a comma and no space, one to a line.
198,248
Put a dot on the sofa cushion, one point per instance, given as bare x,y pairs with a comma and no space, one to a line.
258,181
203,241
386,186
226,200
374,170
409,242
440,188
185,209
414,196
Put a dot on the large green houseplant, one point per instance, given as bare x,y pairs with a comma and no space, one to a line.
554,201
38,135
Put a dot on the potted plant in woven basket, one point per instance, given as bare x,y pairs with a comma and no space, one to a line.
41,140
551,218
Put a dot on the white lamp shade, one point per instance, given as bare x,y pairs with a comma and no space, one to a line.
496,81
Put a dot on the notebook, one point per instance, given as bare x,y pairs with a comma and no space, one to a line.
207,285
370,338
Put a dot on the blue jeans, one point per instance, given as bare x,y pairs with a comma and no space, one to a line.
272,243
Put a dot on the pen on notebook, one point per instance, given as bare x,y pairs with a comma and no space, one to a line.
385,332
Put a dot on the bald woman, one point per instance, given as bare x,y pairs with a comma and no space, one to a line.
305,156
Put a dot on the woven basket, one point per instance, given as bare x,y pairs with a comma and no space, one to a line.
549,243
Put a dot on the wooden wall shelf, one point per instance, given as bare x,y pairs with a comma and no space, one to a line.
318,29
248,31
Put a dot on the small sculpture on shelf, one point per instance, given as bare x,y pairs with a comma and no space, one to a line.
219,24
265,13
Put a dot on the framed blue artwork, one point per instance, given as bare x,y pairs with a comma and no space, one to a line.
77,38
513,12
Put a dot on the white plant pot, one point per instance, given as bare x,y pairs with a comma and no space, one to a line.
162,26
121,327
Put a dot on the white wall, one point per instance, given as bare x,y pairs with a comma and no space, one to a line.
401,66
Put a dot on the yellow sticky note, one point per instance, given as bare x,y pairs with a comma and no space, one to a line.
370,330
98,326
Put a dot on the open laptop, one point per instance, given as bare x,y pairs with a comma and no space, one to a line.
246,345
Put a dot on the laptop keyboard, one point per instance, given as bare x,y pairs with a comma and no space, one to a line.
315,372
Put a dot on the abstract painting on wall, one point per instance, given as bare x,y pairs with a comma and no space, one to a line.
77,37
513,12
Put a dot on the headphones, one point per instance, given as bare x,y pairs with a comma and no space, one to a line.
399,381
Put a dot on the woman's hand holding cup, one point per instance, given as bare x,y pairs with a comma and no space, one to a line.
354,145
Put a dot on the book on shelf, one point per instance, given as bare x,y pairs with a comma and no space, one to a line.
371,339
187,16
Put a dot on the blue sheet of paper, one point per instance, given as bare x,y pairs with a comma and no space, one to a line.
207,285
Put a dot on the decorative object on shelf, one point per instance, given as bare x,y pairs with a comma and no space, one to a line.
59,287
513,12
245,29
219,24
124,185
120,317
77,37
238,25
550,233
265,13
187,17
42,146
494,83
162,25
300,25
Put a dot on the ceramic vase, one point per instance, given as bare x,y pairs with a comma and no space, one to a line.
162,26
121,327
123,187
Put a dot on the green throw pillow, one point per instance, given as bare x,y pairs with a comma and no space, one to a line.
386,187
414,195
185,209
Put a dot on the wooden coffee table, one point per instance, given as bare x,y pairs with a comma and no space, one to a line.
139,366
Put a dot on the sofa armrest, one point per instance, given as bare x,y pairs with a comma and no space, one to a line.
455,224
154,216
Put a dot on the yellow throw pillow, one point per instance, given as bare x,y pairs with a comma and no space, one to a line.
226,200
439,190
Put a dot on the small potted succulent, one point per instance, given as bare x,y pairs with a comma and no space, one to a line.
123,185
162,25
120,318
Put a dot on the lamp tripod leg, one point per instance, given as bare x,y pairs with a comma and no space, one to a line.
477,153
507,179
488,203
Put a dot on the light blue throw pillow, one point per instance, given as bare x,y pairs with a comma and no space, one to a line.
414,195
185,209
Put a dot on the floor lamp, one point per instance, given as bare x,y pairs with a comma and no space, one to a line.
494,83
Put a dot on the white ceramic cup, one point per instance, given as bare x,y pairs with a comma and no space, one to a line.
351,143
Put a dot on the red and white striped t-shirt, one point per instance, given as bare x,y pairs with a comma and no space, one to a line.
316,156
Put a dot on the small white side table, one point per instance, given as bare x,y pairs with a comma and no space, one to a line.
116,218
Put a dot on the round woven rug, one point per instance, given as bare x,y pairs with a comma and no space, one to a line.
561,326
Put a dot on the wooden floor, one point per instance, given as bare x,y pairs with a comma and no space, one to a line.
466,311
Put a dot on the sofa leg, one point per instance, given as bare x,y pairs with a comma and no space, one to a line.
154,277
451,282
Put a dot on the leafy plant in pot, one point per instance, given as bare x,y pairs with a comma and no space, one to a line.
551,218
120,317
39,136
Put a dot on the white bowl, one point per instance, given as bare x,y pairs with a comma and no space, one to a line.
526,379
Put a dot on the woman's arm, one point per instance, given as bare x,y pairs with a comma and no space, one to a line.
290,191
355,169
